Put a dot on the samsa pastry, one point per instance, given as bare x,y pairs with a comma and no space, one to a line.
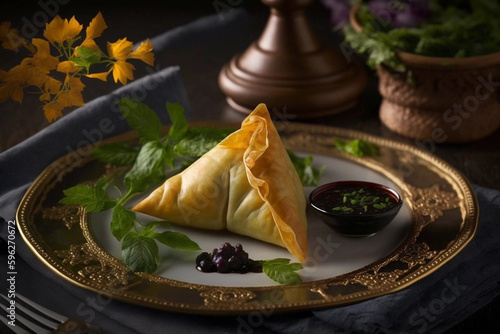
246,184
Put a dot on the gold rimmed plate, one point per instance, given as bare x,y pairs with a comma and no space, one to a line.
438,219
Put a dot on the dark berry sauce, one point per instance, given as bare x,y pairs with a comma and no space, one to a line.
227,259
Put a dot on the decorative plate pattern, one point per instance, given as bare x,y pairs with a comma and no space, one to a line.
442,205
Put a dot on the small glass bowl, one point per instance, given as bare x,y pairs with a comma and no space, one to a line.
354,224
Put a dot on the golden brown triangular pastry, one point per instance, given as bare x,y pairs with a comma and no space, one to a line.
246,184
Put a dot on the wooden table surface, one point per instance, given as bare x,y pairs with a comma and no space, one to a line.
478,161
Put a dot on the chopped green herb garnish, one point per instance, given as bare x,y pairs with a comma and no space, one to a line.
361,200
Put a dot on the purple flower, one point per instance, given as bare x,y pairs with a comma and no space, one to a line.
339,11
401,13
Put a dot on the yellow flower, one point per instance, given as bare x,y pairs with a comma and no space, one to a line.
67,66
52,86
11,39
120,49
101,76
122,71
32,71
73,60
94,30
71,94
11,87
37,68
44,59
59,30
143,52
52,111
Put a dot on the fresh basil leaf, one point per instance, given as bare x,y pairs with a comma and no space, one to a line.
117,154
178,119
103,182
93,198
141,118
282,271
176,240
147,169
122,221
168,156
198,141
140,253
309,176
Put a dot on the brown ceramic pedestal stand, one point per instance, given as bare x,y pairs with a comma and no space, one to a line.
289,69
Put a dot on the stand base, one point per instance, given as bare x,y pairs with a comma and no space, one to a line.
293,98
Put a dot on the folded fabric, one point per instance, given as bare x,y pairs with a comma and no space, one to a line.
435,303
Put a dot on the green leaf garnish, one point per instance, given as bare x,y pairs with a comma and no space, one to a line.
176,240
122,221
178,119
148,167
141,118
92,197
357,147
282,271
198,141
117,154
309,176
140,253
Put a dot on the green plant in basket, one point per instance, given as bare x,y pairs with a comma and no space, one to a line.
433,28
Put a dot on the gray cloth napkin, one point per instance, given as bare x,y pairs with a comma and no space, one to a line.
469,281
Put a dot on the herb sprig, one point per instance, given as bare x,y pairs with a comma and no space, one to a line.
139,241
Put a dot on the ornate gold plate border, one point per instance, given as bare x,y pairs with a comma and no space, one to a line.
443,208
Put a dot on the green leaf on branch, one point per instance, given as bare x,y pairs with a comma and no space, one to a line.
178,119
141,118
116,154
198,141
92,197
176,240
147,169
122,221
140,253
